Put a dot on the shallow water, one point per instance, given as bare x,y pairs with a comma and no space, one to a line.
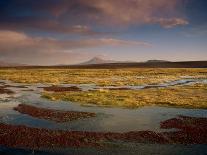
107,120
130,149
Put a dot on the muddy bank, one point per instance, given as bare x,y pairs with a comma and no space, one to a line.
153,86
191,131
114,88
20,86
53,115
3,90
28,90
61,89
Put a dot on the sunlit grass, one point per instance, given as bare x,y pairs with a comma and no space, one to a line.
102,77
183,96
180,96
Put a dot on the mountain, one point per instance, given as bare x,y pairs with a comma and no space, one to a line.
97,60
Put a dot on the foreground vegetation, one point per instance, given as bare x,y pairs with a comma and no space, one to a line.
102,77
191,131
194,96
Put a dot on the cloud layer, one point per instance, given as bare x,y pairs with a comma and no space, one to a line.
19,47
67,26
80,16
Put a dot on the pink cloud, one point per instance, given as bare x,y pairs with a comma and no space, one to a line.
19,47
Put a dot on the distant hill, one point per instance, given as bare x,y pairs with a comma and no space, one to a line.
105,64
156,61
165,64
8,64
97,60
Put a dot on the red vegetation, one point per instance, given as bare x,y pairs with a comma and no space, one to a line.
34,138
192,131
50,114
61,89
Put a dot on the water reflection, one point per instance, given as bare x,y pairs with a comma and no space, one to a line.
108,119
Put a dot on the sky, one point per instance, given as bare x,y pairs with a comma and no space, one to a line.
51,32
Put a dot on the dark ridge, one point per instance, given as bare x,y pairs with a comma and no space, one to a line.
182,64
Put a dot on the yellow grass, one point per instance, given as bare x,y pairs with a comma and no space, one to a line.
102,77
180,96
184,96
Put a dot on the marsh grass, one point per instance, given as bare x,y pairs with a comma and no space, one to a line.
194,96
101,77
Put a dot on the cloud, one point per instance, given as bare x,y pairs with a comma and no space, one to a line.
138,11
19,47
117,42
170,23
82,16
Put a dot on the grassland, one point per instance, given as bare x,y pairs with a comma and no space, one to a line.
180,96
192,96
102,77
